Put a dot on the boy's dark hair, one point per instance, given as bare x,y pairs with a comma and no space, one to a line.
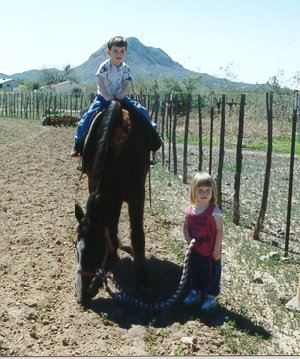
118,41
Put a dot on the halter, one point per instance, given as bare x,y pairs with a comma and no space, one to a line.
108,248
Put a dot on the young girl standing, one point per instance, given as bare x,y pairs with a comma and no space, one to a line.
204,223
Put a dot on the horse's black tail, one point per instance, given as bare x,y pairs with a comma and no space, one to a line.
104,133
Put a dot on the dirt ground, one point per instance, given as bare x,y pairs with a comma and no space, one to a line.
39,315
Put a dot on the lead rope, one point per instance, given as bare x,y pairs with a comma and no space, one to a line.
122,296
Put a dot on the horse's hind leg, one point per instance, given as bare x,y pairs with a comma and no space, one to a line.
136,214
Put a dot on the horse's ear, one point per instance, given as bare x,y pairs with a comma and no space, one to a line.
78,212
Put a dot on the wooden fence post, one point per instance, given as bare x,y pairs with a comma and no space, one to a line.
169,127
186,133
239,159
298,106
175,111
211,133
292,160
14,104
263,208
38,99
200,145
221,153
156,109
163,112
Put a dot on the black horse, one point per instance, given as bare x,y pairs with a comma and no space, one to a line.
116,160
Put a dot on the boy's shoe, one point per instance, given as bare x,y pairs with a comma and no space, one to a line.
194,297
74,153
209,303
76,150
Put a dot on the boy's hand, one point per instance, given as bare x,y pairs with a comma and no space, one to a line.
119,96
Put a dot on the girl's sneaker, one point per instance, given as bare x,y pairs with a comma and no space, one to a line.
194,297
209,303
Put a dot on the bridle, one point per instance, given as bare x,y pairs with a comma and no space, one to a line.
108,248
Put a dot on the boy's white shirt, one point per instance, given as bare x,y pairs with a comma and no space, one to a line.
114,77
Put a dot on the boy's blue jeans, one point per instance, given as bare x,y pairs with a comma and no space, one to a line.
99,104
205,274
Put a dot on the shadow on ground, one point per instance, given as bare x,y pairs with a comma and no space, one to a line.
165,278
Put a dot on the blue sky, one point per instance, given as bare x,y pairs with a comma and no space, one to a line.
248,41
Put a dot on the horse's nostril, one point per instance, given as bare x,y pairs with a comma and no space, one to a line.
96,283
84,301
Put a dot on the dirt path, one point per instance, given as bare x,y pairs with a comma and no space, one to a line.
39,314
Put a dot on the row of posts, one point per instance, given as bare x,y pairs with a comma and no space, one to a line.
167,123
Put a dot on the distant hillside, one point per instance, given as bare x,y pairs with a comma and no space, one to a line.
145,61
150,61
27,75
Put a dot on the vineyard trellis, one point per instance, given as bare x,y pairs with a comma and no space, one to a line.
189,126
168,129
35,105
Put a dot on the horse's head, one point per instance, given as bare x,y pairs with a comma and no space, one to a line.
93,251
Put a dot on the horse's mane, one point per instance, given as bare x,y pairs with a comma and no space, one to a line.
110,130
103,135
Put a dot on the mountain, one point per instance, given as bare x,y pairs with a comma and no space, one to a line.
149,61
145,61
27,75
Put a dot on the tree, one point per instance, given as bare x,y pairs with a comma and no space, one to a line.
277,82
54,76
191,82
229,71
295,81
29,85
274,82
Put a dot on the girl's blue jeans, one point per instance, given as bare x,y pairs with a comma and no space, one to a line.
205,274
99,104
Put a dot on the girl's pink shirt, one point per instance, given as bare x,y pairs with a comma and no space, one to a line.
202,228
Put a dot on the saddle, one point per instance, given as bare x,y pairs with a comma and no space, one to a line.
149,134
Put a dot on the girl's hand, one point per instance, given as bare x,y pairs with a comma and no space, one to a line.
189,240
217,254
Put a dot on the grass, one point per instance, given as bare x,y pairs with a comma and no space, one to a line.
257,319
254,133
279,145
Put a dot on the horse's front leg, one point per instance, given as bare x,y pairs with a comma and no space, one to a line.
136,215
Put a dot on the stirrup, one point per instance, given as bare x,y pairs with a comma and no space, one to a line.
79,166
